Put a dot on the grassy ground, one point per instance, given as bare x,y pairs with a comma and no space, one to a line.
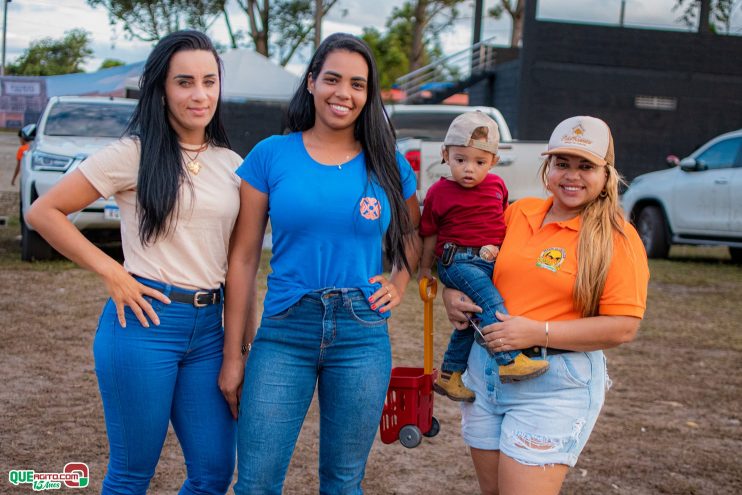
671,423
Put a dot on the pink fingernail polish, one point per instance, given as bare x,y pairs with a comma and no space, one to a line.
373,306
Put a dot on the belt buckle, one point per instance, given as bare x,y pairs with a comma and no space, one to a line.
449,250
195,299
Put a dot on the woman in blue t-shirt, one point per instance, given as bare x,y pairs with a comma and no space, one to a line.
333,189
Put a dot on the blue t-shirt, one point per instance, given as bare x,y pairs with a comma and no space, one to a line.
328,222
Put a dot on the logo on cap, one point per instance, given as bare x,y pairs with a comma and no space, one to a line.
577,136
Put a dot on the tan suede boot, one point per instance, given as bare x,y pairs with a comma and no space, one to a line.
523,368
450,385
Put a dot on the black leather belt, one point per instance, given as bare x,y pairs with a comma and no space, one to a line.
536,351
199,299
450,249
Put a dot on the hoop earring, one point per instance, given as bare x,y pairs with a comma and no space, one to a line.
603,194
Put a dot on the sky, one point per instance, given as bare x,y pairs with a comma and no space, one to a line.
30,20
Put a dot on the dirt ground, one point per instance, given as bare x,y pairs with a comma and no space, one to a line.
671,423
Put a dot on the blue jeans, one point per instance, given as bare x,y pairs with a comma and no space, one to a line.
332,340
472,275
149,377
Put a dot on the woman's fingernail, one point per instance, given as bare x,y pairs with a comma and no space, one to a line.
373,306
370,299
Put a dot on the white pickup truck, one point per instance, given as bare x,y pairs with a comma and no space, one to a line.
420,133
70,129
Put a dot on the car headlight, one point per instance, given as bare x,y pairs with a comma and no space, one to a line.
47,161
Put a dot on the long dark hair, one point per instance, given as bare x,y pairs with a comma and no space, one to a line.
161,170
372,129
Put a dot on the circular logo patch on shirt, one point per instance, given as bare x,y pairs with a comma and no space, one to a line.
370,208
551,258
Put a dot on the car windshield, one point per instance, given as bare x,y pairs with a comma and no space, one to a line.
431,126
88,119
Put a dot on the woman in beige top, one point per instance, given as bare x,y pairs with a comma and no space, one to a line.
158,348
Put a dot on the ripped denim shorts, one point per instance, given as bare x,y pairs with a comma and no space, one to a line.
541,421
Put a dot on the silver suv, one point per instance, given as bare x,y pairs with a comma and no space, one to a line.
699,201
70,129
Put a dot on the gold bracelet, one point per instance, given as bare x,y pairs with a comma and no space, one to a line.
546,330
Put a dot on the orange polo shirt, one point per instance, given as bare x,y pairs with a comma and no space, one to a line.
537,267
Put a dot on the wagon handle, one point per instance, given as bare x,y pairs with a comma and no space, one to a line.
428,289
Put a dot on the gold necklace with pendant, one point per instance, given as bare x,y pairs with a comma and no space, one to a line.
193,165
310,133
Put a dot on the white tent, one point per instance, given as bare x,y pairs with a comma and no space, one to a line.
248,76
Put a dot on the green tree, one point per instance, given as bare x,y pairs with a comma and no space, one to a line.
418,24
281,27
111,62
150,20
48,57
389,52
718,14
515,9
274,28
412,38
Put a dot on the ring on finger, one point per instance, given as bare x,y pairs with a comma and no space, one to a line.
387,289
390,296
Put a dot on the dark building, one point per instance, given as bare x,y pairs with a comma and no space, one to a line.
247,123
661,92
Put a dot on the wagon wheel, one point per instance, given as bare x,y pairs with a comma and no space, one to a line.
435,428
409,436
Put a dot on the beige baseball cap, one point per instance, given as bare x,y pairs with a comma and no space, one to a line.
587,137
460,131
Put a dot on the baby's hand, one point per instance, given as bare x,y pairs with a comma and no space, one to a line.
424,273
489,252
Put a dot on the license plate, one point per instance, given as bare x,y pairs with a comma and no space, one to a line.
111,213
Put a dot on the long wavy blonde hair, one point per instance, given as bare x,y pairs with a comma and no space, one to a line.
601,218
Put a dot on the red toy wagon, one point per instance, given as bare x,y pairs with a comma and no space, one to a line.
408,409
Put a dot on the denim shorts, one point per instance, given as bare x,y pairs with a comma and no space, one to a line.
541,421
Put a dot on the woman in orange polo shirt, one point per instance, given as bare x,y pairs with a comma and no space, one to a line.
573,273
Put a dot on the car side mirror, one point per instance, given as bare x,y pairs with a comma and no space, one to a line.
691,165
28,132
672,161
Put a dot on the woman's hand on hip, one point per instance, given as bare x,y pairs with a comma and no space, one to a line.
458,306
125,290
513,332
387,297
231,378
